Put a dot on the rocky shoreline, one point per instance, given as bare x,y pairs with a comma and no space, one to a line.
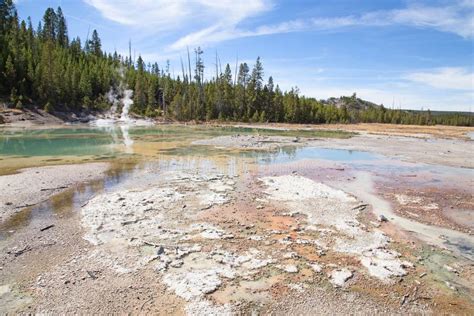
31,186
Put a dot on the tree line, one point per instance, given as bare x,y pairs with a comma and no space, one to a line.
44,67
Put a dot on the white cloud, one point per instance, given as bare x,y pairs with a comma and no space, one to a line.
218,33
457,18
211,34
218,21
445,78
163,15
450,19
160,14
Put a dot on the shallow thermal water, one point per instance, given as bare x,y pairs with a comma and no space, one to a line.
131,149
340,155
110,139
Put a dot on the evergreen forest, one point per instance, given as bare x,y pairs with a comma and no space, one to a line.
43,66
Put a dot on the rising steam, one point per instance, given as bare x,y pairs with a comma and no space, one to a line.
127,103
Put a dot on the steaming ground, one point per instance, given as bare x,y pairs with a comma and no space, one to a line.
122,97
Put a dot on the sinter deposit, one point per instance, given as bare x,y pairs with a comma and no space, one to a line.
329,208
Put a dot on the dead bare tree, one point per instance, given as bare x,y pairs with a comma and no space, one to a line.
189,65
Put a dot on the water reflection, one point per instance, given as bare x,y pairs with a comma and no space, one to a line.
291,154
122,174
103,140
45,143
127,140
63,204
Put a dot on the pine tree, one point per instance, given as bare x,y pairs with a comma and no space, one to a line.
151,95
62,35
241,93
254,88
268,99
278,107
94,44
7,12
197,109
256,79
228,92
7,9
199,68
10,72
139,97
50,22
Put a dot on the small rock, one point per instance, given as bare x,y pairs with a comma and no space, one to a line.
177,263
449,285
450,269
340,276
160,250
290,255
161,266
375,224
316,267
291,268
382,218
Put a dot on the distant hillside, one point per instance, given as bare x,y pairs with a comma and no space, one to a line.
356,104
351,103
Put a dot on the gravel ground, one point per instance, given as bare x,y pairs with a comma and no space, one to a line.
27,118
319,301
34,185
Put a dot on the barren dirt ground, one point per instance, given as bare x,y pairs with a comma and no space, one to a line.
300,237
421,131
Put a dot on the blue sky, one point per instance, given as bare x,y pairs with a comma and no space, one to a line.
402,53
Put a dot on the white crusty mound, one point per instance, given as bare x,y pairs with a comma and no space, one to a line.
126,214
204,307
253,142
290,187
159,226
193,284
322,204
328,207
155,210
